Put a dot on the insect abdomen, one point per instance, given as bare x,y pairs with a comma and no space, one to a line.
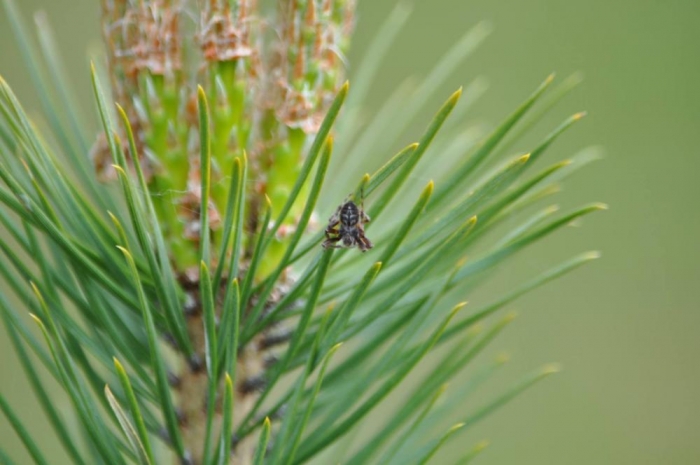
349,214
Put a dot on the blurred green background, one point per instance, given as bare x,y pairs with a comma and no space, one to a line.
625,327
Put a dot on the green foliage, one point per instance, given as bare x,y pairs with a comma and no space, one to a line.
100,270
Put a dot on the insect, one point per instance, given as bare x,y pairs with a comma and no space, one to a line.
346,228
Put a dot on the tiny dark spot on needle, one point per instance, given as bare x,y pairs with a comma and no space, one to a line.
174,380
196,363
170,340
252,384
271,340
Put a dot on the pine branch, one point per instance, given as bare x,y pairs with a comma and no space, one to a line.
192,313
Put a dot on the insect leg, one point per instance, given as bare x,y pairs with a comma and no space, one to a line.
331,242
364,244
332,229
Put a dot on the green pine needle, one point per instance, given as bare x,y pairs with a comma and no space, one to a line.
226,170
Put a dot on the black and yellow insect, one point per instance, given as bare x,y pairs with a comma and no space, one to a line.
346,228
